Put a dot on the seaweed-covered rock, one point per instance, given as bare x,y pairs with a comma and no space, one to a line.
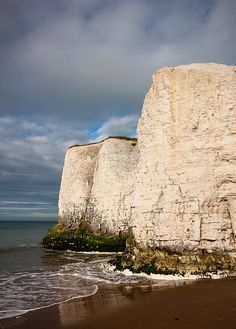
166,262
61,238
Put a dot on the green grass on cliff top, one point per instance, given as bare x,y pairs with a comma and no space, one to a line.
110,137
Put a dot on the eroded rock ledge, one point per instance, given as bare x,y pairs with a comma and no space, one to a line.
174,188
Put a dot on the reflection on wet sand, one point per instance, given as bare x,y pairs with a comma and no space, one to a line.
108,299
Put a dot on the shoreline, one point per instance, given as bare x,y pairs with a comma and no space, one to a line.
140,305
158,281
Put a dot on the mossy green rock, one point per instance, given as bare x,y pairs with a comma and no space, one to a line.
60,238
166,262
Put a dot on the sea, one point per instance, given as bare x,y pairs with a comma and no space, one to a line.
32,277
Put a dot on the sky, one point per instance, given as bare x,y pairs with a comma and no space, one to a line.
77,71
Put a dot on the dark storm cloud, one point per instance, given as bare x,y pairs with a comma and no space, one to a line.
75,71
87,59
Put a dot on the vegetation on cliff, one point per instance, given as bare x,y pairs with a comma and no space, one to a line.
126,138
147,261
61,238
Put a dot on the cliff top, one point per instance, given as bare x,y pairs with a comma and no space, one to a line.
207,67
103,140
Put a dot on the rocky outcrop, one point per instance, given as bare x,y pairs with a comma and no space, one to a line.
177,187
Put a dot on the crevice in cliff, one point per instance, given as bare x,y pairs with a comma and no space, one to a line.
232,235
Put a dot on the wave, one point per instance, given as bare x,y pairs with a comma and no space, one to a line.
67,278
17,312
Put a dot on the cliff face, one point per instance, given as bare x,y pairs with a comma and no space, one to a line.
97,185
76,183
185,186
177,186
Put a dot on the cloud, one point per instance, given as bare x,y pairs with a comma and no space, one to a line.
31,164
124,126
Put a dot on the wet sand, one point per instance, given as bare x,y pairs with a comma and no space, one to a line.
203,304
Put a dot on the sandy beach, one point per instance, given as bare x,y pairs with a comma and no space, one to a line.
201,304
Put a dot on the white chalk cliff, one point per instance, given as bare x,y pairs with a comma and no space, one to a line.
175,186
97,185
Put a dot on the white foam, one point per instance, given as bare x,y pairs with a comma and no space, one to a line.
168,277
101,253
